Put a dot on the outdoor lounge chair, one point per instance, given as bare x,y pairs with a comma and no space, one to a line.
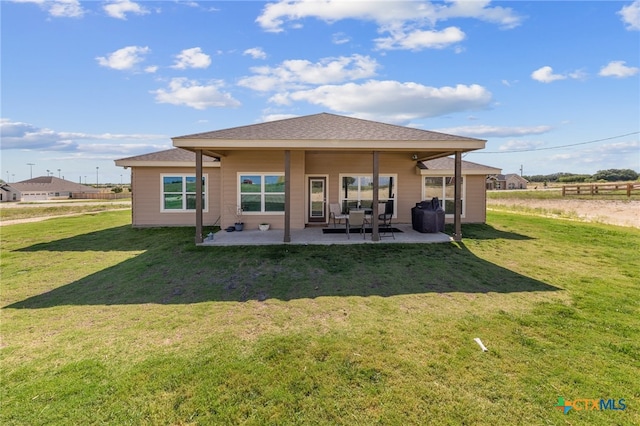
335,213
356,221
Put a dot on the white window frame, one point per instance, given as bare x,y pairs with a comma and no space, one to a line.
442,198
262,193
184,177
341,198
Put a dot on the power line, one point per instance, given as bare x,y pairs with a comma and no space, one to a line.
556,147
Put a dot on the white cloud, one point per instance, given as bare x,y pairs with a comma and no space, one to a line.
25,136
619,155
392,100
192,58
405,20
520,145
478,9
59,8
274,117
255,53
299,73
340,38
618,69
151,69
484,131
197,5
419,39
124,59
630,15
182,91
119,9
546,75
383,13
66,8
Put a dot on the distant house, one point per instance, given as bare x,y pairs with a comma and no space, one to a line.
49,188
8,193
508,181
287,173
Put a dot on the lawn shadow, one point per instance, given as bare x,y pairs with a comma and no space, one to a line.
483,231
172,270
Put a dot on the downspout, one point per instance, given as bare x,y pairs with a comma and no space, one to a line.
457,215
198,196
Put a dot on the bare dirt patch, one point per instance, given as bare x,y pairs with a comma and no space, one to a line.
614,212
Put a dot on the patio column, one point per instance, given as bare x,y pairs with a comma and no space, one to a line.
287,196
457,214
198,196
375,232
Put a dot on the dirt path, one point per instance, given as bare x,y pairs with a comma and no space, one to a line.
122,205
623,213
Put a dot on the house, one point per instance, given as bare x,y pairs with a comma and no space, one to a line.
49,188
287,172
8,193
508,181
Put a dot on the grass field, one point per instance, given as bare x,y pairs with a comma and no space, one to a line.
105,324
32,210
555,193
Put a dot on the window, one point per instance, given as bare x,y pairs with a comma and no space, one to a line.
261,193
357,191
179,193
443,187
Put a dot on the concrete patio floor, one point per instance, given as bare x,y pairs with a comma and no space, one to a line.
314,236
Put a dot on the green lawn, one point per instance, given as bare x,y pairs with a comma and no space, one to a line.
105,324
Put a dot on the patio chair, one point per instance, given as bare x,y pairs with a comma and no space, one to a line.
385,214
335,213
356,221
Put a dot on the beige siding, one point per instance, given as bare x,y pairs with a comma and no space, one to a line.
262,162
475,199
147,196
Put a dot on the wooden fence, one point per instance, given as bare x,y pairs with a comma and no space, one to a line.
100,195
601,189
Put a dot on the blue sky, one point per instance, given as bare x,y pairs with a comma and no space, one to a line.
552,85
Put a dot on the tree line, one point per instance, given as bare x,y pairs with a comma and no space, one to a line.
610,175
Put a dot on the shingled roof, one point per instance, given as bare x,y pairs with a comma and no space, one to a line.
169,157
325,126
51,184
448,163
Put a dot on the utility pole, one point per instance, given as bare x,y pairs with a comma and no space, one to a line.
58,173
31,169
97,175
520,170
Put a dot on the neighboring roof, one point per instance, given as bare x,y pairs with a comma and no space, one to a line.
447,163
328,132
51,184
175,157
514,176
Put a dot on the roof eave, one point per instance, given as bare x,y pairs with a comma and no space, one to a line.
142,163
331,145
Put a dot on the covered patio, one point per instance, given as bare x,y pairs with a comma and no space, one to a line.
315,236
